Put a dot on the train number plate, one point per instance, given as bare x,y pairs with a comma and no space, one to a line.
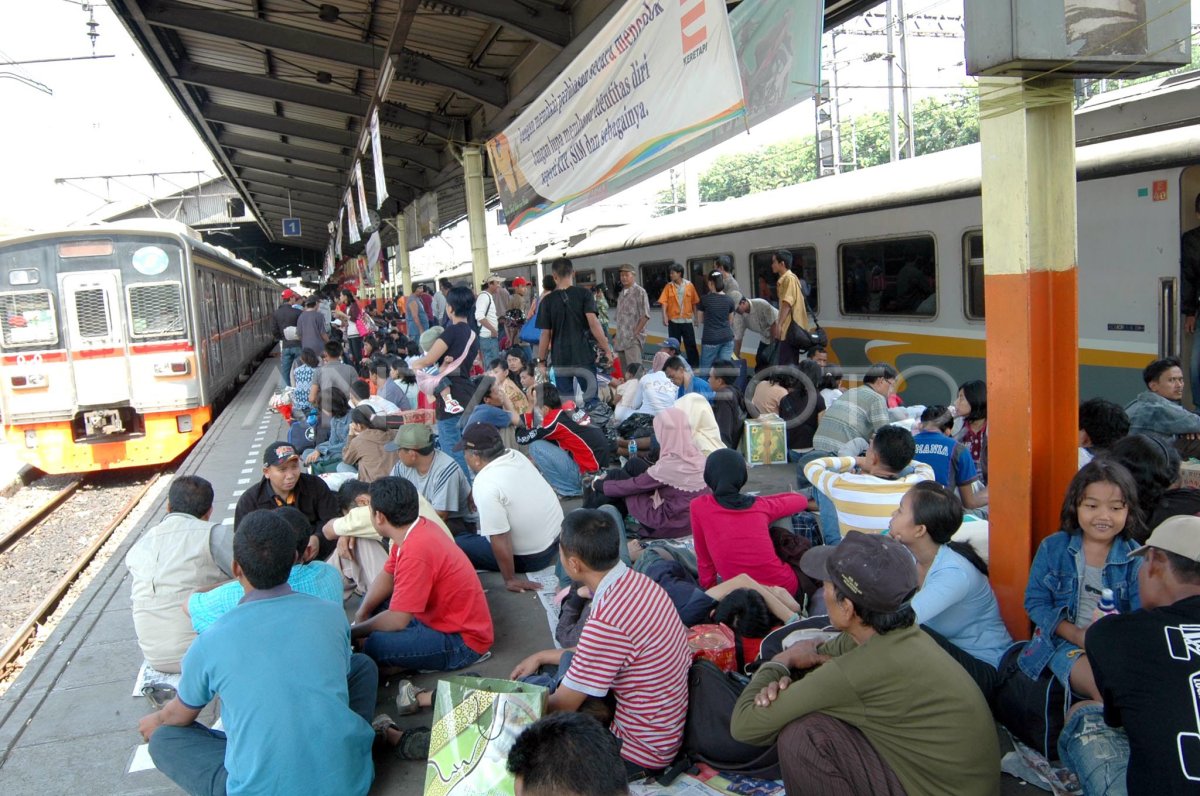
102,421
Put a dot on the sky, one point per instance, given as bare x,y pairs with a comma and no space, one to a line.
114,116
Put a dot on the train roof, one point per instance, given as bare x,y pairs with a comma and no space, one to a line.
158,226
942,176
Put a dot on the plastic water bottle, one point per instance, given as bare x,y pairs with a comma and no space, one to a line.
1107,605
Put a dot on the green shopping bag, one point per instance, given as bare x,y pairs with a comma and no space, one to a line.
476,720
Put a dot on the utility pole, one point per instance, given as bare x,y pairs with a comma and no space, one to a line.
905,92
893,137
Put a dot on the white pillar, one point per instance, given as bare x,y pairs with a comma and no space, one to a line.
402,265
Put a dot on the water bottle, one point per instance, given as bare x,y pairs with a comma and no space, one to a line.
1107,605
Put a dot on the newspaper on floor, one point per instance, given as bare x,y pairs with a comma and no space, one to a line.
148,675
545,596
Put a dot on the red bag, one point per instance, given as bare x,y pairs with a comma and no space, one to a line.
713,643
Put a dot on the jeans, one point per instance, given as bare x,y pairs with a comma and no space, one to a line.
193,757
557,467
419,647
1097,753
612,512
685,333
711,352
288,356
831,529
449,434
551,681
489,349
566,379
479,549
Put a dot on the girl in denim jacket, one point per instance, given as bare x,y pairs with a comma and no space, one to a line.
1100,516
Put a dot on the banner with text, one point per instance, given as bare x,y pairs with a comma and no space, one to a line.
658,75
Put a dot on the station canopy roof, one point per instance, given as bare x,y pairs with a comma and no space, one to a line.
279,89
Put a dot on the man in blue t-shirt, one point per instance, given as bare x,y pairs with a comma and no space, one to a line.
295,703
950,459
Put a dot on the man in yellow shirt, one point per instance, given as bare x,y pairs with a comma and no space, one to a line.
792,307
678,301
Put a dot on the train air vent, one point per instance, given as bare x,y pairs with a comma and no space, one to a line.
156,310
91,310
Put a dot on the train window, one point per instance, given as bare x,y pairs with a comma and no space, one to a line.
655,277
28,319
897,276
91,312
804,265
973,275
698,269
156,310
612,281
585,278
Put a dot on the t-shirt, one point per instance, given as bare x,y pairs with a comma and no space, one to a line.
513,497
863,502
1090,587
564,313
315,578
310,326
789,290
767,396
634,645
331,375
858,413
487,309
957,601
657,393
950,459
916,705
444,485
1147,666
292,730
462,388
434,581
716,308
732,542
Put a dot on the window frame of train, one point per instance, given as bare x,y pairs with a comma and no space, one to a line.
179,333
665,267
972,266
699,276
895,257
586,277
760,260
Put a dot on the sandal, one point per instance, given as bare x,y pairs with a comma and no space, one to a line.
414,742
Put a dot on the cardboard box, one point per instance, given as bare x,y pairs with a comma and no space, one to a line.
765,441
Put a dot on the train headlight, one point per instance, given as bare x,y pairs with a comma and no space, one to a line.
28,381
179,367
30,439
183,423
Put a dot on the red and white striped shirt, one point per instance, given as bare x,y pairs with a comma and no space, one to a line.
635,646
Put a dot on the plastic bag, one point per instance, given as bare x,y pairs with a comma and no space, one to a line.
475,723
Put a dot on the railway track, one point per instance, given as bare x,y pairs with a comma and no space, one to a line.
80,505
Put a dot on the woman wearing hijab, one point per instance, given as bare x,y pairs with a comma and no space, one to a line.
731,530
659,495
705,433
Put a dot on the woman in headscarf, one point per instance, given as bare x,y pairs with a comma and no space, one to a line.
657,495
731,530
705,433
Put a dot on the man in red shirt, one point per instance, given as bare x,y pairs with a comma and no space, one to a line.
437,617
633,645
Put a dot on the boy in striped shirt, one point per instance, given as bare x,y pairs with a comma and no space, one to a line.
633,645
866,489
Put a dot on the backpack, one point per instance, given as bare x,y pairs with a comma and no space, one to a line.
1032,710
706,738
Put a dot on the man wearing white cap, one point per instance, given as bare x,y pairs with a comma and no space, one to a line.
1145,737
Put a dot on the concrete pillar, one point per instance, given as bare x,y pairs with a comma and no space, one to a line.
402,266
1029,232
472,160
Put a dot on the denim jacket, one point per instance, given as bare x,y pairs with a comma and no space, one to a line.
1052,594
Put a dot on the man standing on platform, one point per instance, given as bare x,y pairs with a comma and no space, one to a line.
283,325
488,315
312,327
792,308
678,301
566,316
633,313
284,485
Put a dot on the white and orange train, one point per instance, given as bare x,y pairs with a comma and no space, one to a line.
118,342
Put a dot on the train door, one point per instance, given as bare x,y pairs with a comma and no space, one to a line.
95,336
1184,340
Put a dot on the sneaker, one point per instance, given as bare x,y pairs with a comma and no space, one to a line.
414,744
453,407
406,699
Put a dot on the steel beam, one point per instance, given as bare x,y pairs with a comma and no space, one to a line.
271,88
543,23
268,146
472,83
290,183
300,170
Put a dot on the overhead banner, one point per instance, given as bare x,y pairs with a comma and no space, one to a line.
352,219
657,76
364,214
381,193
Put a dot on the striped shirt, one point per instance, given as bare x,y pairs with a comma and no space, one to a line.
635,646
858,413
864,502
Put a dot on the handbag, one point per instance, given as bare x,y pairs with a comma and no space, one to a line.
802,339
427,382
475,722
530,333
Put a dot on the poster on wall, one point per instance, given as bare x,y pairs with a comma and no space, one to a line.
657,76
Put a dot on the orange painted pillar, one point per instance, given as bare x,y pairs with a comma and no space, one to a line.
1027,131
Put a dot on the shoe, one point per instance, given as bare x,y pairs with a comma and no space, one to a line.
414,742
406,700
453,407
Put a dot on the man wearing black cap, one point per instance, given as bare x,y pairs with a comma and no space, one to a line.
519,514
880,709
283,484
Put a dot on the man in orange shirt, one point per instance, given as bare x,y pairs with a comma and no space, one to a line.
678,301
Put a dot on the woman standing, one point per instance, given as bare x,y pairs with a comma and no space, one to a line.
715,313
349,313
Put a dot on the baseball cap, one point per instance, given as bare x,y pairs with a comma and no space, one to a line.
289,294
670,342
520,281
627,267
279,453
411,436
479,436
1179,535
875,571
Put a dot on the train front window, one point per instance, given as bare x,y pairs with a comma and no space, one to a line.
896,276
156,310
973,275
91,310
804,265
27,319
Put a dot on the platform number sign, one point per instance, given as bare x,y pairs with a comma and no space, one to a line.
291,228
